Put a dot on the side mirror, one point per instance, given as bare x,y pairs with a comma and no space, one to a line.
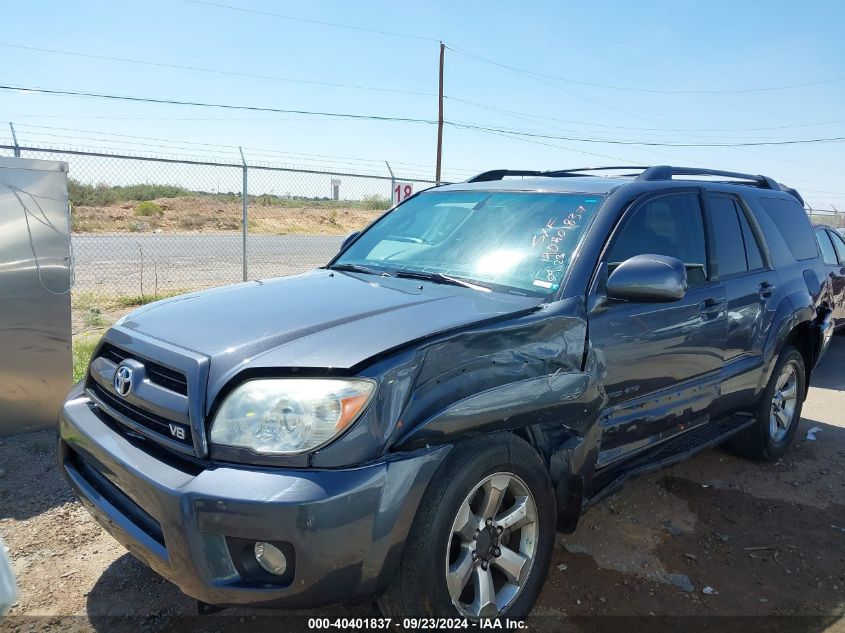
349,239
648,279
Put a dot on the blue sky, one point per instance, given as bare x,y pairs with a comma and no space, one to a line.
672,45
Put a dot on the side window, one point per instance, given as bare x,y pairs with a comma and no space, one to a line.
727,233
793,225
753,252
839,245
669,225
828,254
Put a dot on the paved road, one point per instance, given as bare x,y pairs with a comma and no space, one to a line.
122,263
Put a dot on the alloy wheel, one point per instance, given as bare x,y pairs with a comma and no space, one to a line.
784,402
492,546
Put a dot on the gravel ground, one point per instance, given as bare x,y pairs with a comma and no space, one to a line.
715,536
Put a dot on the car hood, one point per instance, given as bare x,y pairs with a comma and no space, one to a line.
320,319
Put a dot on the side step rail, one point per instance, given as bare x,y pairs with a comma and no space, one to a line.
666,454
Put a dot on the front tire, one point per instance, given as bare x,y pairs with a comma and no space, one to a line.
482,540
778,412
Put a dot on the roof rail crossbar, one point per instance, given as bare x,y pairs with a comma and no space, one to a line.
665,172
499,174
575,172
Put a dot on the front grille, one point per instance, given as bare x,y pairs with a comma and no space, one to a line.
159,374
152,421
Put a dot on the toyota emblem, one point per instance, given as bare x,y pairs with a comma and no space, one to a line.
123,380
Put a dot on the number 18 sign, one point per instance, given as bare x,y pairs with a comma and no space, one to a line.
402,191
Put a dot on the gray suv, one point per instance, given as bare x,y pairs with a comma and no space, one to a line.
415,420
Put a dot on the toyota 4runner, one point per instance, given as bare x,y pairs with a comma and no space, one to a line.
469,374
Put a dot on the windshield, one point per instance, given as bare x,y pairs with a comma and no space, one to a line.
510,241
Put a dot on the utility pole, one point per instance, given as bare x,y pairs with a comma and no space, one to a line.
440,117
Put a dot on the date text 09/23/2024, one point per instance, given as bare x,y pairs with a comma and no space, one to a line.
413,624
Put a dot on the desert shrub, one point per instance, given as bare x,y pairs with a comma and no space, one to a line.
147,209
375,202
146,191
93,318
99,195
191,221
232,224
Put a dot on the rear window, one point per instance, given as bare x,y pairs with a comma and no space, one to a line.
793,225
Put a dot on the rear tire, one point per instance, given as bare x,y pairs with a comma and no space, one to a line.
460,514
778,411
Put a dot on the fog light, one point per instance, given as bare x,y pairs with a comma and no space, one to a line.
270,558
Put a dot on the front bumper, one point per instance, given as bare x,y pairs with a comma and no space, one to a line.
343,529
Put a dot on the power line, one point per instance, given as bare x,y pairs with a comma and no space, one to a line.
156,118
203,69
532,116
643,142
372,117
336,25
663,126
100,95
572,149
539,79
262,151
475,104
470,54
572,93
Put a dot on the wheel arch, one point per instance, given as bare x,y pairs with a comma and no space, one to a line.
798,323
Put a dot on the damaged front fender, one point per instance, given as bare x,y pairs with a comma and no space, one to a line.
532,375
553,397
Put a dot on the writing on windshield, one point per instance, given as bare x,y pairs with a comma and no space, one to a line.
519,241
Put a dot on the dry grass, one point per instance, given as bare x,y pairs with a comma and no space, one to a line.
94,311
198,214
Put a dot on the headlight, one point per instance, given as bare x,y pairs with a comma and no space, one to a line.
286,416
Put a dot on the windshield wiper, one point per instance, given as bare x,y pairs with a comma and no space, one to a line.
440,278
357,268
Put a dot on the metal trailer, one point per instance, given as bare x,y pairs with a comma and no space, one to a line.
35,283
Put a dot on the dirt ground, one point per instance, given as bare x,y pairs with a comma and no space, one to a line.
715,536
191,214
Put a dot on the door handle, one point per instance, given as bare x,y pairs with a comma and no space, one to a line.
711,307
766,289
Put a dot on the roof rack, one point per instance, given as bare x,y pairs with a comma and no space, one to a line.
653,173
577,171
666,172
499,174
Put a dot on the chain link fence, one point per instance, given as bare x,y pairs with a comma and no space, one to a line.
836,219
145,227
151,227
